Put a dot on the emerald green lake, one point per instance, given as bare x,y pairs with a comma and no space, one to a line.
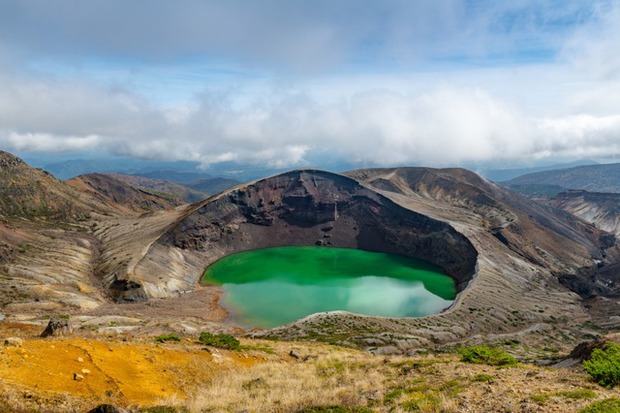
270,287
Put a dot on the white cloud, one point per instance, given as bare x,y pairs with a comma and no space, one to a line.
593,48
44,142
443,116
441,126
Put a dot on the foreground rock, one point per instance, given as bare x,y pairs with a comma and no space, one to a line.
583,351
57,327
13,342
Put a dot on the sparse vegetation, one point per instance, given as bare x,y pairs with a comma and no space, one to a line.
225,341
324,379
167,337
486,355
581,394
541,398
485,378
604,365
163,409
335,409
611,405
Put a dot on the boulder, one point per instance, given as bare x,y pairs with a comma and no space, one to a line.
13,342
583,351
57,327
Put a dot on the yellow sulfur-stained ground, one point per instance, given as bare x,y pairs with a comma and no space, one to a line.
107,370
138,373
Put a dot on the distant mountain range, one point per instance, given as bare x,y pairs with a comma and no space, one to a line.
189,187
593,178
175,171
505,174
71,168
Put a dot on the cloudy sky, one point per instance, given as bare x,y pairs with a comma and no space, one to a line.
287,83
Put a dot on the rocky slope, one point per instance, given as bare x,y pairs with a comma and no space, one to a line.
117,194
179,194
603,211
600,209
47,255
512,219
33,194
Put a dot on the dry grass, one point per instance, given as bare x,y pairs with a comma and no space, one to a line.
339,378
347,378
263,377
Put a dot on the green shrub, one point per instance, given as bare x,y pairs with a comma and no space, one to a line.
603,406
225,341
581,394
486,355
541,398
426,403
167,337
604,365
485,378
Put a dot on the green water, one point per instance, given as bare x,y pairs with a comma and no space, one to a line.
274,286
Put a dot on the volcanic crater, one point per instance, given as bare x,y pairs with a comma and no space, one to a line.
507,254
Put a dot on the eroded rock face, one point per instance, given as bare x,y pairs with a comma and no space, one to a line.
600,209
127,291
319,208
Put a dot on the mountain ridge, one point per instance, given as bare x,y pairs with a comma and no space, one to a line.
593,178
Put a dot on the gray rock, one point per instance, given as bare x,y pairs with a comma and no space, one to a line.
57,327
386,351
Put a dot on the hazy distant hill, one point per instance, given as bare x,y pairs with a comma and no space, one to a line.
212,185
71,168
501,175
173,176
195,181
593,178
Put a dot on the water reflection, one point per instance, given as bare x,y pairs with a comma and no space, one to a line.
266,288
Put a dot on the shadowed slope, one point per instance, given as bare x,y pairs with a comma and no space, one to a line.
303,208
